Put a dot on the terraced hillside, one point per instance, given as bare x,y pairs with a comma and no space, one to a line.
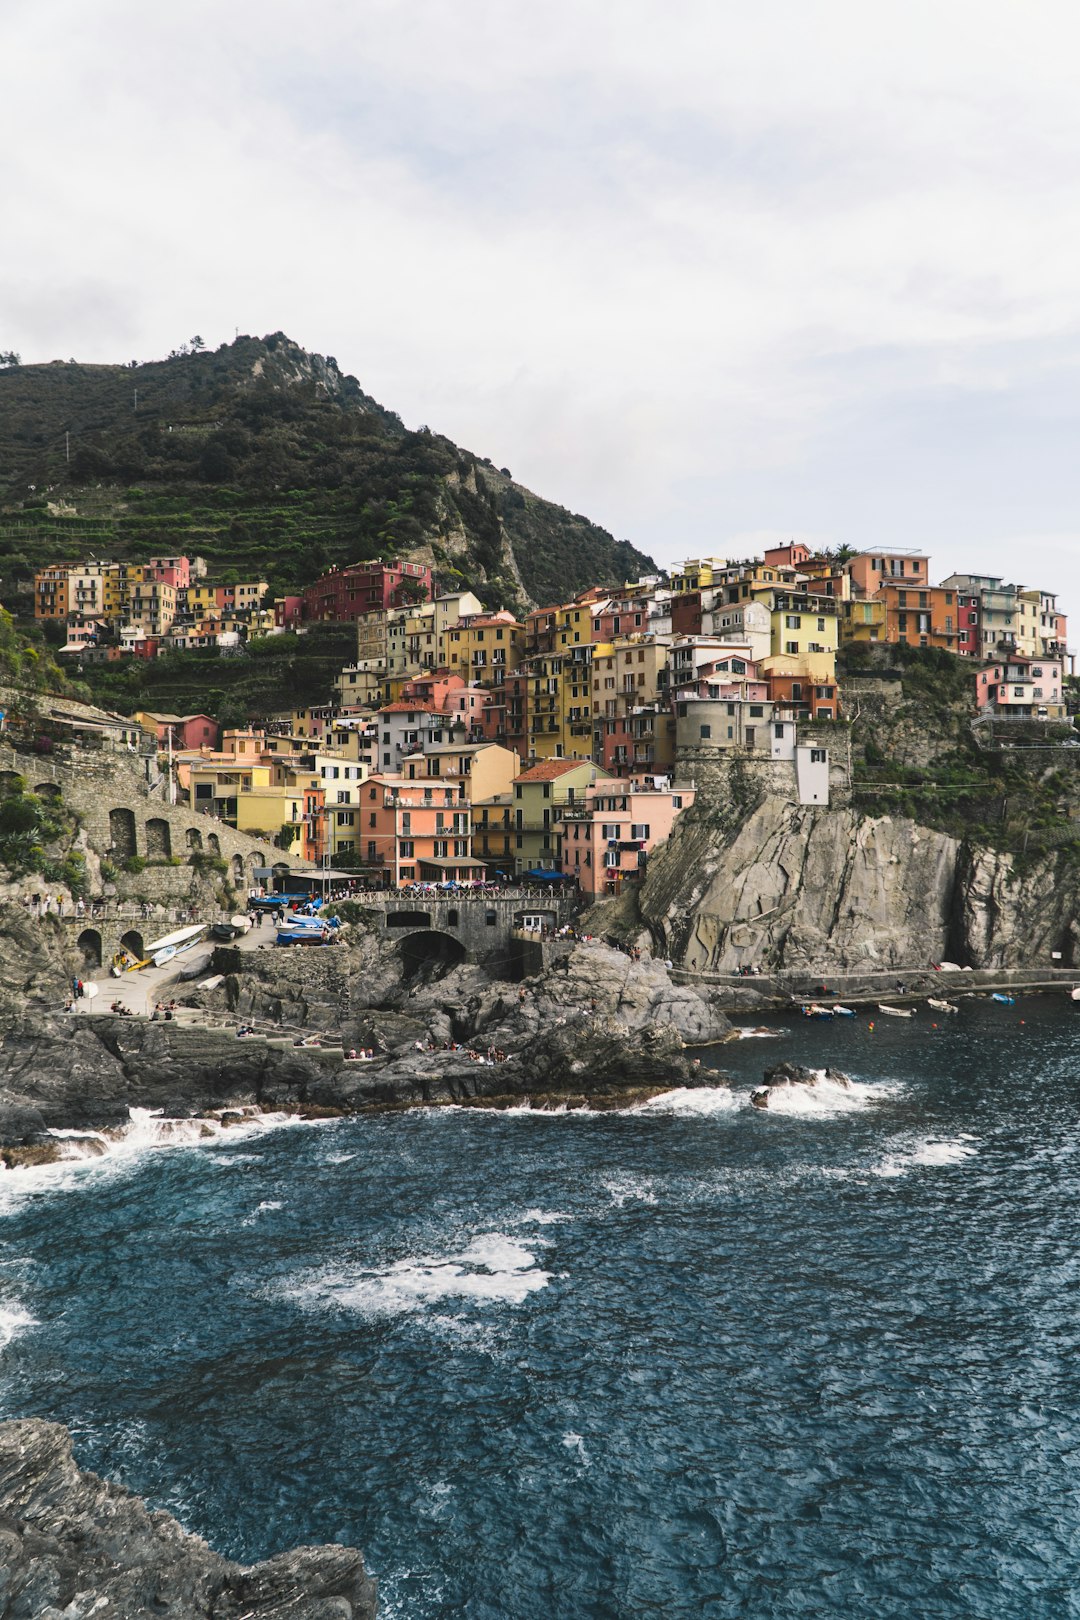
270,463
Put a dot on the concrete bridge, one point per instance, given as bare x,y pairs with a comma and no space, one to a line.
442,931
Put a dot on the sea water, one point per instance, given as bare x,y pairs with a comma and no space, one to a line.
694,1359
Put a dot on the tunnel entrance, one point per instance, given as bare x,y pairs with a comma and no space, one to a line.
428,955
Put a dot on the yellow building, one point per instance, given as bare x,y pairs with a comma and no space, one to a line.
483,649
540,795
863,621
800,623
698,574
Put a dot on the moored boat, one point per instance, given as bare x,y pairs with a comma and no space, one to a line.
896,1012
1003,1000
843,1012
941,1006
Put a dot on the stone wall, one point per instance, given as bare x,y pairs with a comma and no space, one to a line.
122,814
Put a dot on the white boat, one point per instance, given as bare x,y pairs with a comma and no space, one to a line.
896,1012
843,1012
243,923
180,940
950,967
941,1006
1074,995
160,958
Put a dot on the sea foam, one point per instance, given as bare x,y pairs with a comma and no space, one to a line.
492,1269
928,1154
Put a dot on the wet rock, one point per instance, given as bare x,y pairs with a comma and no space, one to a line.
785,1076
72,1545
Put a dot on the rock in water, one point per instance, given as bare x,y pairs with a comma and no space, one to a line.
72,1545
783,1076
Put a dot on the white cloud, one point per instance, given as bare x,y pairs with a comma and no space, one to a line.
697,271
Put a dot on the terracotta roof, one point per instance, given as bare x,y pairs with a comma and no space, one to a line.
424,706
548,769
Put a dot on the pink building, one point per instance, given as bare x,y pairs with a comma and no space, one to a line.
1019,686
174,571
607,833
288,612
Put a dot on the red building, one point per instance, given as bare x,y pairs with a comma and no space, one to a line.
347,594
288,612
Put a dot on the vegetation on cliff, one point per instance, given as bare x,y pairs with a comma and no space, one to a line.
270,463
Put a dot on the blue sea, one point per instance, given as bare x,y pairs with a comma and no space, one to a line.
695,1359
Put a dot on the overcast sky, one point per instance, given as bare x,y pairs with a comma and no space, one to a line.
708,272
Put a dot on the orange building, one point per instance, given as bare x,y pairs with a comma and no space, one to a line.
923,616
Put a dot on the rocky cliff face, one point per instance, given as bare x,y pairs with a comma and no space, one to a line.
802,888
72,1545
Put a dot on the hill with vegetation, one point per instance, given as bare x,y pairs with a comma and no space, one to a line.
272,464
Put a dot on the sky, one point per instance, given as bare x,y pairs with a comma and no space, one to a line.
712,274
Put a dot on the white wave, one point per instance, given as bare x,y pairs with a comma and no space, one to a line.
574,1442
339,1158
493,1268
691,1101
625,1189
14,1319
84,1154
541,1217
928,1154
758,1034
826,1097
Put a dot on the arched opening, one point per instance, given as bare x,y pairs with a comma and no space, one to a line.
122,832
133,941
194,838
89,943
430,955
408,919
213,843
49,791
238,870
255,861
158,839
10,781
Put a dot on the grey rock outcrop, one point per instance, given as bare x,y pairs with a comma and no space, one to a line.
810,889
72,1545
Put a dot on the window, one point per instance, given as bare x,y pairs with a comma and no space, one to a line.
818,756
778,731
705,732
639,831
792,621
611,857
610,830
791,646
405,849
756,711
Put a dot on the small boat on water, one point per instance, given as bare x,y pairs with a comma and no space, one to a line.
896,1012
1004,1001
843,1012
941,1006
1074,995
816,1011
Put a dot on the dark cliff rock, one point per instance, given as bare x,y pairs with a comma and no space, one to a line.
72,1545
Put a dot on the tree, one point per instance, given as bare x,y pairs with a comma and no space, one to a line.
196,344
8,357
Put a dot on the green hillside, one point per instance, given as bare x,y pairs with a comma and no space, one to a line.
270,463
